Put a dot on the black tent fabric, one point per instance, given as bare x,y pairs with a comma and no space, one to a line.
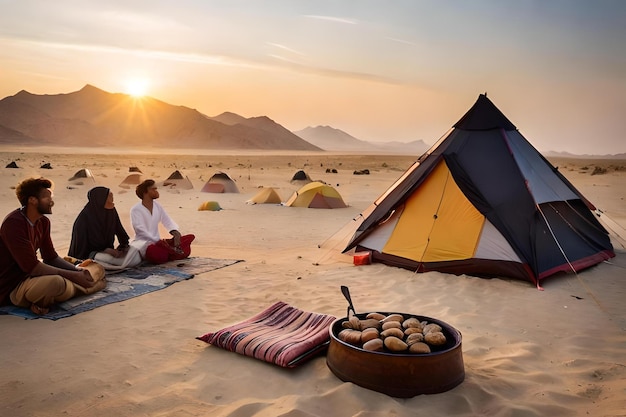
300,176
546,221
176,175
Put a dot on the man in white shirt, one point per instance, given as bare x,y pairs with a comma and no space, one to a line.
145,218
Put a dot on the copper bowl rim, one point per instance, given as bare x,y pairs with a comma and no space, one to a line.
449,331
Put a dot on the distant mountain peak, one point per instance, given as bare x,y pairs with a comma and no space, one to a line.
94,117
333,139
23,93
262,119
88,87
229,118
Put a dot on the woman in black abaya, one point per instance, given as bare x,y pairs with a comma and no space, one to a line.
96,228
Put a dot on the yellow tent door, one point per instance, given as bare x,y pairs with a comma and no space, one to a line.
438,223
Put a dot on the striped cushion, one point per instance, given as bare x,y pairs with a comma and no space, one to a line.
281,334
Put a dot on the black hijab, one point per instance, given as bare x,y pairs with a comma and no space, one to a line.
96,227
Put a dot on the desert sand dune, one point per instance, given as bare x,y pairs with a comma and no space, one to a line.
527,352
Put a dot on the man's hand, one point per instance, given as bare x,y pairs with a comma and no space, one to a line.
82,278
176,235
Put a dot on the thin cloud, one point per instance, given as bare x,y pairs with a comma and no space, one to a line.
279,62
285,48
281,58
403,41
333,73
332,19
145,53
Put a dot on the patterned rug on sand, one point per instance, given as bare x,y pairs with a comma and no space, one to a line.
126,284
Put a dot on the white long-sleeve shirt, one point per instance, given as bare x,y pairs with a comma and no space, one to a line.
146,224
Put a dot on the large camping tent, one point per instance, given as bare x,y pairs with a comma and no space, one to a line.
483,201
131,180
178,181
266,195
300,177
82,175
316,195
220,182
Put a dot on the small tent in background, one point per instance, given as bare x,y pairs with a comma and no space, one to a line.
177,181
300,177
316,195
220,182
209,206
265,196
12,164
131,181
82,176
134,169
483,201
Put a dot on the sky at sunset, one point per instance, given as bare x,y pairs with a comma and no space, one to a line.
378,70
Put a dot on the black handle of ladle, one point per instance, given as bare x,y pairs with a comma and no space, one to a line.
346,293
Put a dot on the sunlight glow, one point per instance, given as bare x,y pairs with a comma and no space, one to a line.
137,87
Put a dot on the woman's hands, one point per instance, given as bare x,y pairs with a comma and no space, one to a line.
117,253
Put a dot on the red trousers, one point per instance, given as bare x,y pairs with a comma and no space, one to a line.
163,250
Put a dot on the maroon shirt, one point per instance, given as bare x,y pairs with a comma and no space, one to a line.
19,242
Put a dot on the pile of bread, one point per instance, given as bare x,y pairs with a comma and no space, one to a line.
392,333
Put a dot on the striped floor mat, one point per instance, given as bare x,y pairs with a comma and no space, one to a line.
281,334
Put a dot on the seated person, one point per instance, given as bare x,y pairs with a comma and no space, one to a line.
96,227
95,230
145,218
25,281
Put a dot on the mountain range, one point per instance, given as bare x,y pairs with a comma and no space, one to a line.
95,118
92,117
332,139
554,154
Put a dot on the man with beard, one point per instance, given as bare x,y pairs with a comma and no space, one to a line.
25,281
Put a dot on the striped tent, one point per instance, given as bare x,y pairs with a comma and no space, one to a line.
483,201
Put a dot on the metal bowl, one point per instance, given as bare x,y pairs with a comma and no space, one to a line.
402,375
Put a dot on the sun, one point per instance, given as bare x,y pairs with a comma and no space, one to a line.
137,87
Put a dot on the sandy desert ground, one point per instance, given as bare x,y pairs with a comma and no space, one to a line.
558,352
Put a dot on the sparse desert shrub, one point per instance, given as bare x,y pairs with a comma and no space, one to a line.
598,171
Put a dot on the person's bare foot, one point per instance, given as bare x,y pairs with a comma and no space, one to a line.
39,310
